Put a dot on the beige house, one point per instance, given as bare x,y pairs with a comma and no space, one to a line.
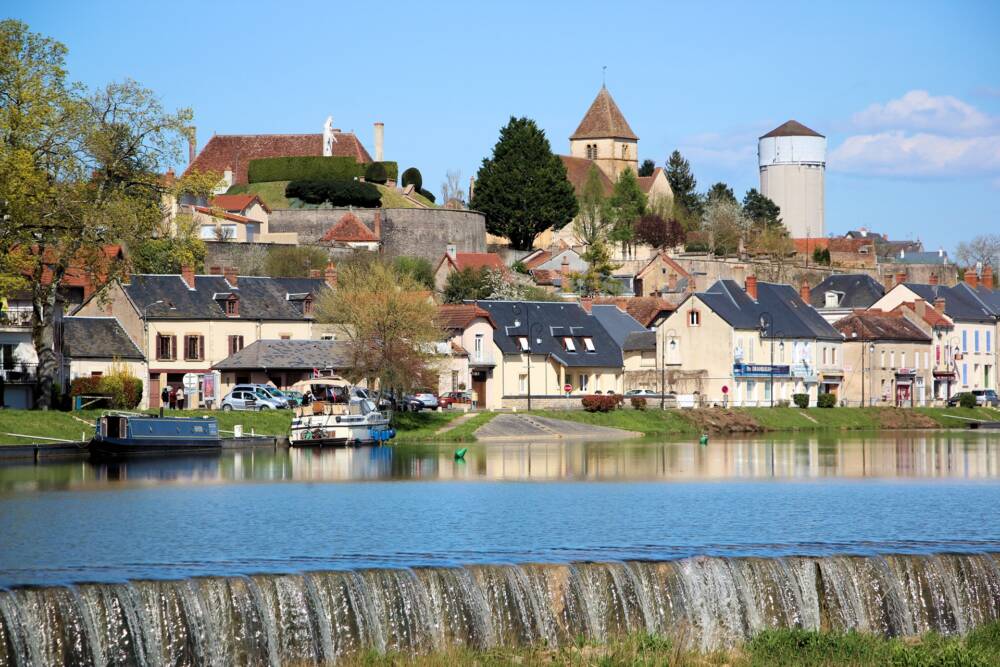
185,324
216,224
638,344
283,362
453,261
470,353
662,275
94,346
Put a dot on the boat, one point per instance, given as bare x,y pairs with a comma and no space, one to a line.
340,415
125,434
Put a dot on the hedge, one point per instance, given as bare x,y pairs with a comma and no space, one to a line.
304,168
375,173
600,402
801,400
638,402
337,193
826,401
967,400
124,391
412,177
391,170
427,194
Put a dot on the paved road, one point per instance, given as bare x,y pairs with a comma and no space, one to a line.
532,427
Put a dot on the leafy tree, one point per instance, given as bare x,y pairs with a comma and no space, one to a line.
501,286
627,203
597,278
984,249
418,268
725,225
821,256
774,244
647,168
451,188
522,189
296,261
592,221
519,267
659,233
78,170
720,192
466,284
760,210
167,254
684,187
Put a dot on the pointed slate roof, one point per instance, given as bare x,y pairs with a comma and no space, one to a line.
792,128
603,120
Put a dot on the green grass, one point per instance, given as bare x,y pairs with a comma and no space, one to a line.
466,431
51,424
795,419
421,426
648,422
942,415
272,192
266,422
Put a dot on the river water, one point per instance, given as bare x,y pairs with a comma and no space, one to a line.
299,556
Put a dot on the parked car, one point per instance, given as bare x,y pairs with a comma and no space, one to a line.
265,392
641,392
450,398
428,399
410,403
246,399
294,397
984,397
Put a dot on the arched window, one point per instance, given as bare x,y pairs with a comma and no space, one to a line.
624,151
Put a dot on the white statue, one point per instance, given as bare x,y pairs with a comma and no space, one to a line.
328,136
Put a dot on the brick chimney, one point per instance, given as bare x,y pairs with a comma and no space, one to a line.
933,279
192,143
379,139
215,270
900,277
804,291
230,273
169,178
987,279
751,287
889,281
330,275
187,275
564,273
971,279
939,304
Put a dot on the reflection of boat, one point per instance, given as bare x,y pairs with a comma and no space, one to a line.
339,415
126,434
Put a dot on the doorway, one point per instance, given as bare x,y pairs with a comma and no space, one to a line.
479,388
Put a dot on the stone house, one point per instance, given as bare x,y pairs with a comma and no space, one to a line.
216,224
662,275
471,356
349,232
939,327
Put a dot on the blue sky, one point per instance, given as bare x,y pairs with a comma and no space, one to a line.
908,93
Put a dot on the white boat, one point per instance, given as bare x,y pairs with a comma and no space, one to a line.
338,416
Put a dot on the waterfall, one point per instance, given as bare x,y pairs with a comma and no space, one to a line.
318,616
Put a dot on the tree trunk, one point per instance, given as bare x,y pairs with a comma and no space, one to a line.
43,328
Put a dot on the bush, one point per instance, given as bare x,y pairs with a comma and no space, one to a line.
391,170
336,193
412,177
638,402
801,400
375,173
304,168
600,402
294,261
826,401
967,400
124,390
427,194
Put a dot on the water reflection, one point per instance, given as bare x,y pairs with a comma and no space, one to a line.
921,455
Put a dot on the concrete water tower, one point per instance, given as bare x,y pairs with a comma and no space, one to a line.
792,161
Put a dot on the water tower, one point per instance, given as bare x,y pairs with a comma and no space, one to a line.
792,161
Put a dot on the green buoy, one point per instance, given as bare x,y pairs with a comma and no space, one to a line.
703,440
460,453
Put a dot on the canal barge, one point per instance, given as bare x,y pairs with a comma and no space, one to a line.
122,434
337,416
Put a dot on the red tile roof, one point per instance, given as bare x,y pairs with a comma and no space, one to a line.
475,260
537,259
233,203
226,215
643,309
577,169
663,259
461,315
546,276
646,182
806,246
931,315
236,150
878,325
349,228
604,120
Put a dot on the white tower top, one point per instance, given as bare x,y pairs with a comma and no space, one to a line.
791,143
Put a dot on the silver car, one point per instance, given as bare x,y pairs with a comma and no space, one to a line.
246,399
427,399
265,392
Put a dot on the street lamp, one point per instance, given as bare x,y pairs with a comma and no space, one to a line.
871,356
530,331
767,327
663,364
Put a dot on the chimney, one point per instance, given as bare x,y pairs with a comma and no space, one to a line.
939,304
933,279
230,273
187,275
330,275
804,291
564,273
472,188
168,178
452,251
691,286
315,273
379,138
751,287
900,278
215,270
888,281
192,143
971,279
987,279
920,306
672,282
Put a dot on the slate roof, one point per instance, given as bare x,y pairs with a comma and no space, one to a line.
550,322
236,150
349,228
876,326
288,355
792,128
790,316
624,328
961,302
260,297
859,290
577,169
604,120
460,315
922,257
97,338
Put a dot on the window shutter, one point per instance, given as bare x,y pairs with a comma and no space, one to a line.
173,347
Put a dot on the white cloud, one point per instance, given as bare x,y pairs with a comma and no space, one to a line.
919,110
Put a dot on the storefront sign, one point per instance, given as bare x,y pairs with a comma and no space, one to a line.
760,370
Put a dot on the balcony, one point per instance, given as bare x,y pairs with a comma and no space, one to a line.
482,359
19,373
18,317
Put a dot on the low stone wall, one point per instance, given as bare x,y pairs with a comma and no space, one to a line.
542,402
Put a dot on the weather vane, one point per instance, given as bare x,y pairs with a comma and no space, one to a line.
604,72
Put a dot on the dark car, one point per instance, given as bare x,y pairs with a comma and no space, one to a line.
984,397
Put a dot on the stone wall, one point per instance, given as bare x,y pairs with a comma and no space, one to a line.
405,231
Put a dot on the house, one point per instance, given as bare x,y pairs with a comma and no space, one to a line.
755,345
971,346
638,344
92,346
939,327
887,360
216,224
18,358
661,275
453,261
838,295
283,362
547,346
471,355
186,323
349,232
248,205
648,311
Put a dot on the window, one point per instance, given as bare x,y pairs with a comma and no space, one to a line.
569,379
235,344
625,152
166,347
751,390
902,359
307,306
194,348
694,318
208,232
927,359
989,343
767,392
588,343
892,358
882,357
824,356
96,374
232,306
228,232
522,383
523,342
584,381
916,361
285,336
477,347
975,341
328,336
937,354
833,356
965,341
569,344
965,375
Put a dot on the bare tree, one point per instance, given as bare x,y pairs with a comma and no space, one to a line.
984,249
452,187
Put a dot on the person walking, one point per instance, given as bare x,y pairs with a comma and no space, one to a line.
165,397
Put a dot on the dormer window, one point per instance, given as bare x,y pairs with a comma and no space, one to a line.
569,344
307,306
523,342
232,306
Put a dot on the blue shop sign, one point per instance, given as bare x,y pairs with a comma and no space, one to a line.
759,370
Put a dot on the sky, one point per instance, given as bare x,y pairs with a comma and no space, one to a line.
908,93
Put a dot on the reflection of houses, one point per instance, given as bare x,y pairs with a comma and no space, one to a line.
751,346
841,294
92,346
283,362
453,261
638,346
471,353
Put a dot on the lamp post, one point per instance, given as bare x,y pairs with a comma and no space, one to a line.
767,328
530,331
663,366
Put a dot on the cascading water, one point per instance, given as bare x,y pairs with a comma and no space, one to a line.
319,616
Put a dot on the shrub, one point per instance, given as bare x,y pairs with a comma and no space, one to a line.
638,402
826,401
412,177
124,390
336,193
391,170
304,168
427,194
967,400
801,400
294,261
375,173
600,402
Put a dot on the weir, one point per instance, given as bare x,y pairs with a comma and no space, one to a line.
317,617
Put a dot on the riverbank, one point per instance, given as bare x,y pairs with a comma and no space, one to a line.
773,647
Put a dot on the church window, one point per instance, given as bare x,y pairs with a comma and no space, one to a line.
624,152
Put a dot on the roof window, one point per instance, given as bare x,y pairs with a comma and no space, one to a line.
588,343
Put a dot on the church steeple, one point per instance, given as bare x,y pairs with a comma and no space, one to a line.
604,136
604,120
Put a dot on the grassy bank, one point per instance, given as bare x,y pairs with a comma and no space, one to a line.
648,422
774,647
424,426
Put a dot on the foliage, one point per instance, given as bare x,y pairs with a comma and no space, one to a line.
684,187
725,225
597,278
271,192
418,268
250,259
167,254
600,402
647,167
375,173
720,192
638,402
627,204
659,233
774,244
967,400
522,188
760,210
504,286
593,217
413,177
826,401
801,400
465,284
821,256
79,170
304,168
428,195
295,261
983,249
120,385
519,267
392,334
336,193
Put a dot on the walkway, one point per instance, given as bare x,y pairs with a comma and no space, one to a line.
532,427
455,422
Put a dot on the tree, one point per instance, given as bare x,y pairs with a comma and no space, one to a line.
647,168
725,225
296,261
78,171
451,188
821,256
659,233
418,268
684,187
465,285
597,278
502,286
627,204
720,192
167,254
522,189
760,210
392,334
591,222
984,249
774,244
